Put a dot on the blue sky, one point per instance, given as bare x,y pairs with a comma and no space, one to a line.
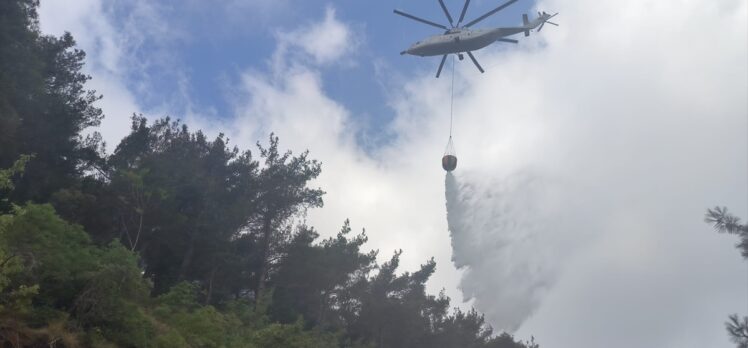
588,153
208,51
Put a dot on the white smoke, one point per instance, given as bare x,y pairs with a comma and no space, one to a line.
497,229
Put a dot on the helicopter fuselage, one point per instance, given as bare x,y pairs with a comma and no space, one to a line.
460,40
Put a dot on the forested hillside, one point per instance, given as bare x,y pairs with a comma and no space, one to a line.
174,239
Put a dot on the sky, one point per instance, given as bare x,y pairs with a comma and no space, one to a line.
587,154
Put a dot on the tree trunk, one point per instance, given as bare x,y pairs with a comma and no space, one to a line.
210,286
264,251
187,259
140,229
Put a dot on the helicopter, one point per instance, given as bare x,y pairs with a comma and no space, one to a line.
459,38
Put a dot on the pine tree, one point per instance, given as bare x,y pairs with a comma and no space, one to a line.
724,222
44,106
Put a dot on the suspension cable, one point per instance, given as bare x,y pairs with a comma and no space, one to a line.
452,99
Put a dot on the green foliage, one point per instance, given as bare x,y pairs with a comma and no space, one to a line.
43,104
198,325
293,336
195,325
372,302
15,299
201,326
181,201
6,181
29,275
311,277
113,298
6,175
20,70
54,254
283,194
53,269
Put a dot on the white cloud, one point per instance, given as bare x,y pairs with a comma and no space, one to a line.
325,42
87,21
328,41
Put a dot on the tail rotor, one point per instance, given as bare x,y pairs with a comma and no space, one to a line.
544,16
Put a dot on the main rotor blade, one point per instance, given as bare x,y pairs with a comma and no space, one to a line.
464,11
551,23
508,40
420,19
489,13
446,12
475,61
441,65
541,27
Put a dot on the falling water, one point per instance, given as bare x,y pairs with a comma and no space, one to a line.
496,230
